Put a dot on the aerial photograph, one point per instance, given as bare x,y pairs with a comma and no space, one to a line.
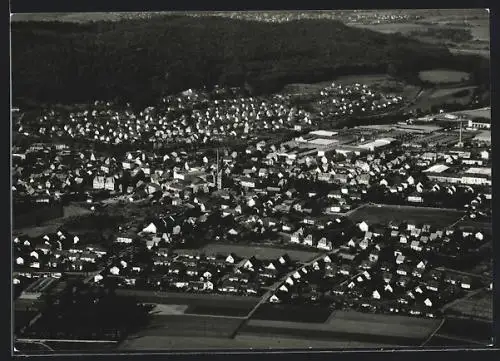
253,180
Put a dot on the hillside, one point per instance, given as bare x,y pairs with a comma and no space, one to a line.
140,60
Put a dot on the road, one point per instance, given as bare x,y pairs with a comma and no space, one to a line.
433,333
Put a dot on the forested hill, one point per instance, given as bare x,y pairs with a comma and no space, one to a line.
139,60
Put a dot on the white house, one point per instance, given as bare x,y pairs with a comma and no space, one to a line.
363,227
151,228
274,299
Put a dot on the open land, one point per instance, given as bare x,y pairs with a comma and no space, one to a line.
191,325
52,225
467,330
438,93
353,326
239,342
250,251
480,113
373,214
443,76
199,304
292,313
478,306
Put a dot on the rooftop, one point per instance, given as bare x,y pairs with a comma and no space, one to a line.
437,168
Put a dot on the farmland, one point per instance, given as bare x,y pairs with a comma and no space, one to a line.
179,298
373,214
197,304
479,306
476,113
443,76
291,313
242,342
467,330
190,326
352,326
439,93
258,252
164,310
53,225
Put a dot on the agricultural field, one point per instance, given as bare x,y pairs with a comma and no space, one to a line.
164,310
195,304
446,92
391,28
476,113
240,342
292,313
353,326
467,330
52,225
305,88
430,98
190,326
478,306
373,214
73,210
443,76
82,17
259,252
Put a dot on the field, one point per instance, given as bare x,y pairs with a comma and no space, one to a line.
445,92
73,210
467,330
443,76
368,79
190,326
352,326
291,313
242,342
306,89
437,97
483,136
197,304
476,113
373,214
53,225
81,17
164,310
478,306
250,251
390,28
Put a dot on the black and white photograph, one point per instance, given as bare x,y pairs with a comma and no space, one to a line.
191,181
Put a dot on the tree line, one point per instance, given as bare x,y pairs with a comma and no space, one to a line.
141,60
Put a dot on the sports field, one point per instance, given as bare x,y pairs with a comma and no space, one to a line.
373,214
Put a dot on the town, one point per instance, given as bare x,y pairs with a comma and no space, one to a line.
168,206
